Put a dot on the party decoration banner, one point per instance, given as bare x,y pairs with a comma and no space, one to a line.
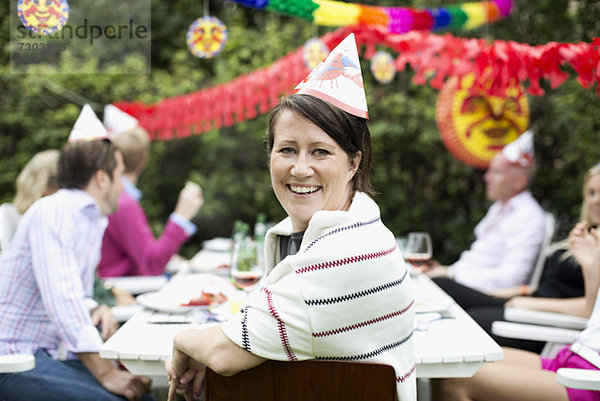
206,37
395,19
473,126
433,59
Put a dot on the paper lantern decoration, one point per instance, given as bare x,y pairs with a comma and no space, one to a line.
473,126
383,67
206,37
43,17
313,52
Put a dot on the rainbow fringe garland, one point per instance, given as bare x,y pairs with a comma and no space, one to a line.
397,19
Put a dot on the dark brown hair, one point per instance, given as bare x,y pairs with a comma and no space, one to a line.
79,161
349,131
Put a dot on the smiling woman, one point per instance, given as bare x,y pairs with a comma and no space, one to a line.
337,287
310,171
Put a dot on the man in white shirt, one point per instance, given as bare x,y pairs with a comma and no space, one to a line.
509,238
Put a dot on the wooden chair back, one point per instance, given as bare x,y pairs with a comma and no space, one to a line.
305,381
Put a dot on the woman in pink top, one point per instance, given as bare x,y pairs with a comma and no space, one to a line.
129,247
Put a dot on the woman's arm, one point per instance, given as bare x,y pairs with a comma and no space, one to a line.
585,246
571,306
212,348
194,350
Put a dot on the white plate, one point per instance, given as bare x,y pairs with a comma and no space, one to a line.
157,301
427,303
218,244
138,284
181,289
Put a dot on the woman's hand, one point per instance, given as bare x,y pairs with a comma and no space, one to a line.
585,246
188,382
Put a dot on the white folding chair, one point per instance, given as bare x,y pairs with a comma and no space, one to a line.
13,363
536,274
555,329
583,379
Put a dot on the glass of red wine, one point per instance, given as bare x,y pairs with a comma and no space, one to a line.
418,250
246,270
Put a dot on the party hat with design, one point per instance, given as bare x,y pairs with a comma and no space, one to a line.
338,80
117,121
87,127
520,151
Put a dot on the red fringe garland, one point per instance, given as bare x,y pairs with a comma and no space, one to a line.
432,57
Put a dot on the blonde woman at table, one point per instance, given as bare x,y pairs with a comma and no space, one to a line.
337,288
38,178
524,375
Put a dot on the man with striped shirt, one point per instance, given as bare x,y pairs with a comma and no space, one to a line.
46,286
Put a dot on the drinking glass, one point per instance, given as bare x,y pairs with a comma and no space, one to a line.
246,269
418,250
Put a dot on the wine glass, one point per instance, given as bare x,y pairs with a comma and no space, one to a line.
418,250
246,269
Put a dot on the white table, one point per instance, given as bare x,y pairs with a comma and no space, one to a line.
450,347
138,284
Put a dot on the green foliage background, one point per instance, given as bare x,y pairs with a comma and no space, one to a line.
421,185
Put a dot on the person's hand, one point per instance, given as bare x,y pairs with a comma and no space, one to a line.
190,201
122,297
103,316
510,292
434,269
124,383
521,303
585,245
188,382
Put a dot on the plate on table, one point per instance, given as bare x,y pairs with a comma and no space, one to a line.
218,244
427,303
187,292
210,261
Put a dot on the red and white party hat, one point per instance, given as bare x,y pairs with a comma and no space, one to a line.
87,127
520,151
338,80
117,121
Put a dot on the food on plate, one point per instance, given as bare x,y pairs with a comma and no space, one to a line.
207,298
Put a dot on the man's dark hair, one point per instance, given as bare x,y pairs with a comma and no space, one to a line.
79,161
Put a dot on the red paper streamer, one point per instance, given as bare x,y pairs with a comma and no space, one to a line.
432,57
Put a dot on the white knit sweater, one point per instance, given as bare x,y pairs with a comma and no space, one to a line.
346,295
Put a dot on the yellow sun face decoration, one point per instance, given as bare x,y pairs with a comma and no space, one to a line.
43,17
313,52
474,127
382,67
206,37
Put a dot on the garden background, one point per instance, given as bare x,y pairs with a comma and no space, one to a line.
421,185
